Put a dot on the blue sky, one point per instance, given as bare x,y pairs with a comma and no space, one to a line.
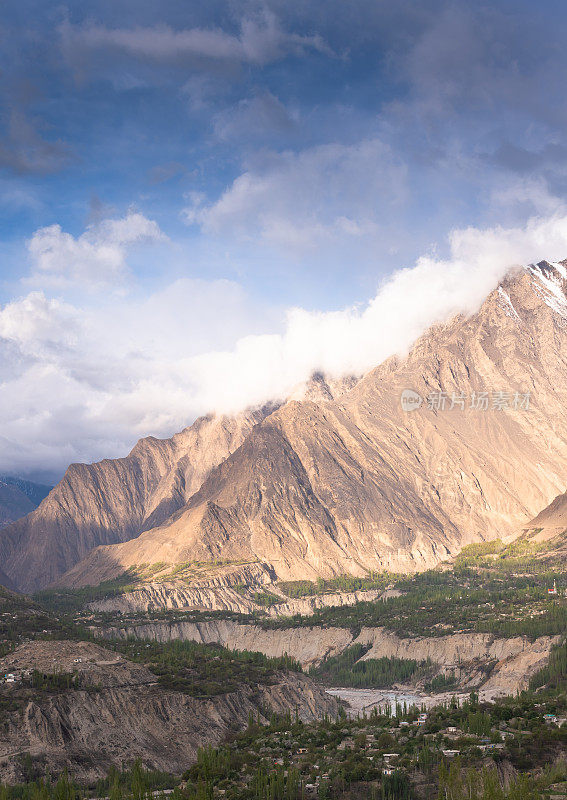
176,179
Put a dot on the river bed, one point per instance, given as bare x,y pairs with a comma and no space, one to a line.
360,700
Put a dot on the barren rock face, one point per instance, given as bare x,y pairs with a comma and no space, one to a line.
113,500
358,483
343,479
126,714
550,522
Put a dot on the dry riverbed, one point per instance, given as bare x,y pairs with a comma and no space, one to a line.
364,700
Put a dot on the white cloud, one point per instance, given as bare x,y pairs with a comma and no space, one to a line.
38,325
96,257
84,383
260,40
356,339
309,199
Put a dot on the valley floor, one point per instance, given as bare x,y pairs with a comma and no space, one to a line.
216,703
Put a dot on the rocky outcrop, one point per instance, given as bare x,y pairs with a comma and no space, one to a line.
305,606
360,483
511,661
127,715
156,596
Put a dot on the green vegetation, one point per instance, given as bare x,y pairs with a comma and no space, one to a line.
263,598
473,784
52,681
460,751
22,618
491,588
468,751
442,683
136,783
204,670
343,583
520,555
69,600
374,673
554,674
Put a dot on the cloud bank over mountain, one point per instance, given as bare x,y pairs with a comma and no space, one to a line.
201,203
88,369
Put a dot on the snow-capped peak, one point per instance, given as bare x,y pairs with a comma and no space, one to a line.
547,280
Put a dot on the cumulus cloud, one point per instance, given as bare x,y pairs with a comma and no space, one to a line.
301,200
97,257
38,325
80,383
355,339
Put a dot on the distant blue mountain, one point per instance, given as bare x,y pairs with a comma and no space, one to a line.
36,492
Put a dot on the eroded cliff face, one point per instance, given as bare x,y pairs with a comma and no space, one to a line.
306,645
512,661
358,483
159,596
130,716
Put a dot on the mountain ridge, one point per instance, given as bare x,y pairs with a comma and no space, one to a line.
115,499
357,483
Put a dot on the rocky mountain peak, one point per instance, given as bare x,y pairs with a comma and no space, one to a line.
342,478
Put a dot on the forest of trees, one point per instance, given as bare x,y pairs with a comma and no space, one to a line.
204,670
134,783
554,674
374,673
438,602
342,583
456,783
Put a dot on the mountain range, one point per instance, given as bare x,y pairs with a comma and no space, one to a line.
18,497
463,439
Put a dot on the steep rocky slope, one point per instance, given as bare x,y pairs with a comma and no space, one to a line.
359,483
548,532
512,661
113,500
550,522
119,712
